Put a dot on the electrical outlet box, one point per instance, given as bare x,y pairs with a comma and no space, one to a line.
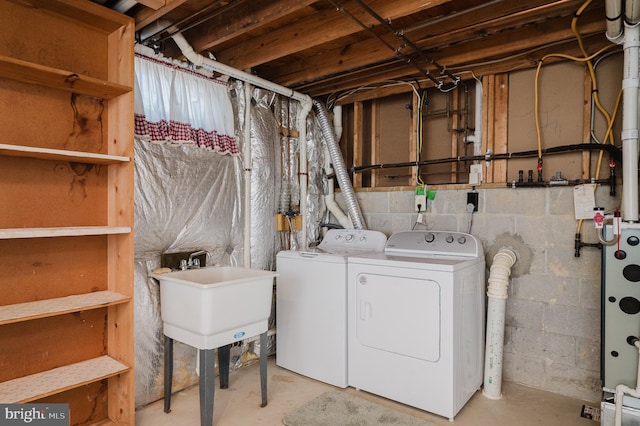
475,174
420,199
472,198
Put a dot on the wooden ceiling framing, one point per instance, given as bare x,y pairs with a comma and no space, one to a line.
329,47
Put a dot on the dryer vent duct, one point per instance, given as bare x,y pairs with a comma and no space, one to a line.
497,294
338,164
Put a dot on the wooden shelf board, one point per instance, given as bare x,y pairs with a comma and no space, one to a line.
30,73
40,385
58,306
90,14
72,231
60,155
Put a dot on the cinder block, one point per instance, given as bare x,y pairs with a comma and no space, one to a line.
588,354
572,321
552,290
524,313
543,345
523,369
529,201
572,381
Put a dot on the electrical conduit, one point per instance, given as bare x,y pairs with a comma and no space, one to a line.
338,163
497,294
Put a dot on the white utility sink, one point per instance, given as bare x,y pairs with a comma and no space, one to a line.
211,307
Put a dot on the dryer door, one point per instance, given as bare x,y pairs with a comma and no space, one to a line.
399,315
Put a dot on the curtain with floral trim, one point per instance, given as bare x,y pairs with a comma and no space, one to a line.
176,105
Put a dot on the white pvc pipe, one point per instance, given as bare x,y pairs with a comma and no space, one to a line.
621,390
613,13
630,84
497,294
477,134
305,107
632,12
246,152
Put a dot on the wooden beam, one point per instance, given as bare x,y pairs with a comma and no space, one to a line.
456,51
358,135
383,75
321,27
375,140
153,4
455,123
239,19
586,125
414,137
500,125
148,16
488,112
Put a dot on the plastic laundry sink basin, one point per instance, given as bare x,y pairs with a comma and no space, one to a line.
211,307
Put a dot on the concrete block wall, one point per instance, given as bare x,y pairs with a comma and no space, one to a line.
552,334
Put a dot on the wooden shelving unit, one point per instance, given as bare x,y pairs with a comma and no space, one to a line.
40,385
66,209
58,306
71,231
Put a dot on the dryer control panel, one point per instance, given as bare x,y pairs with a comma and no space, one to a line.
349,240
433,243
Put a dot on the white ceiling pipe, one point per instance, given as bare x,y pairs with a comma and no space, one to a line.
246,159
613,13
630,85
632,12
305,109
305,103
200,60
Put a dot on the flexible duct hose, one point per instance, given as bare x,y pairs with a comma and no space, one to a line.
338,164
497,293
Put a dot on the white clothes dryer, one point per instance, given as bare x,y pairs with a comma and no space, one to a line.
416,320
311,304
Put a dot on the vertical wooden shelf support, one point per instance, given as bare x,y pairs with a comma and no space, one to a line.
93,326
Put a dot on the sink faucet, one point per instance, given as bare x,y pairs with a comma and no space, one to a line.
193,262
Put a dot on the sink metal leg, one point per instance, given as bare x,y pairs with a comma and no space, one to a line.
263,368
168,372
207,386
224,357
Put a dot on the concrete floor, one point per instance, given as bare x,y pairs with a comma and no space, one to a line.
240,404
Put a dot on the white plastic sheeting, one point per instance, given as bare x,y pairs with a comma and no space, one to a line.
186,198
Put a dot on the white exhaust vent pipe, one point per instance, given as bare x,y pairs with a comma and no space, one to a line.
497,293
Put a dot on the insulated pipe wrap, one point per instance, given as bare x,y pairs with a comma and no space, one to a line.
338,164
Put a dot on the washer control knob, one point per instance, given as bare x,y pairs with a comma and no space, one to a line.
338,237
349,237
430,237
449,239
633,240
363,238
462,240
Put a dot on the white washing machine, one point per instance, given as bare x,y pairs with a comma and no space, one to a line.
416,320
311,304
